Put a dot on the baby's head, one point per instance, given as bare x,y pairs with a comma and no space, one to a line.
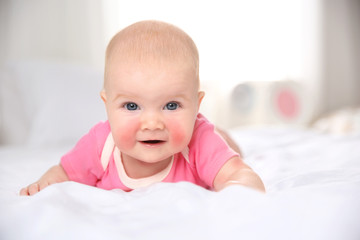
151,42
151,90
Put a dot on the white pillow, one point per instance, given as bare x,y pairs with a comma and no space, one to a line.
47,104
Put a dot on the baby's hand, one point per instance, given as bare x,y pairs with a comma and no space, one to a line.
33,188
55,174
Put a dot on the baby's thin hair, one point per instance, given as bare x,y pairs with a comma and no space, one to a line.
154,41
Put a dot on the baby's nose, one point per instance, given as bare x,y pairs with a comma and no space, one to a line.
152,121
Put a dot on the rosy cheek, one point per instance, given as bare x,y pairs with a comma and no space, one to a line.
177,133
125,136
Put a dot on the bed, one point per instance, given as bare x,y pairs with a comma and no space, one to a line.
312,178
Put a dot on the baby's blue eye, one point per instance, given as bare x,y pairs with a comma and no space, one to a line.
172,106
131,106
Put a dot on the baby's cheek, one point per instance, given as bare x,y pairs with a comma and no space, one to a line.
126,135
125,139
178,133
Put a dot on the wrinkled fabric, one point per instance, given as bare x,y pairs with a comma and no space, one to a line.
312,181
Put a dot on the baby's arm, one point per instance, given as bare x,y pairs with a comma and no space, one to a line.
56,174
235,171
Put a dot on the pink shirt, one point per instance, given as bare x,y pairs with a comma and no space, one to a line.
207,153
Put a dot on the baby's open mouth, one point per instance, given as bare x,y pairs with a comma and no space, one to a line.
152,141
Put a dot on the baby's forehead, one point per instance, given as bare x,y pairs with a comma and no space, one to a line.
166,76
152,69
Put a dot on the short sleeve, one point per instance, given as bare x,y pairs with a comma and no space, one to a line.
208,150
82,163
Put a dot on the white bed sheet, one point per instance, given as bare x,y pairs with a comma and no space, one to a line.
313,184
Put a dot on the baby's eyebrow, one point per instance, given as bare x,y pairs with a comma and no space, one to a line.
168,97
183,96
121,95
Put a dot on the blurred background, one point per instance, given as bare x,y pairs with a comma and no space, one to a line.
261,62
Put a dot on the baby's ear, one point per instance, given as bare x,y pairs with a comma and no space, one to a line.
103,95
201,95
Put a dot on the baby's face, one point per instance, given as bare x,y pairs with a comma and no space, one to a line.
151,108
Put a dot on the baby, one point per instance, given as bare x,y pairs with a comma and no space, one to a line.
154,132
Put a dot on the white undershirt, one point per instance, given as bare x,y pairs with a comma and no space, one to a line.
139,182
110,148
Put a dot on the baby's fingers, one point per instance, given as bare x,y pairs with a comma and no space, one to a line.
24,192
33,188
30,190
